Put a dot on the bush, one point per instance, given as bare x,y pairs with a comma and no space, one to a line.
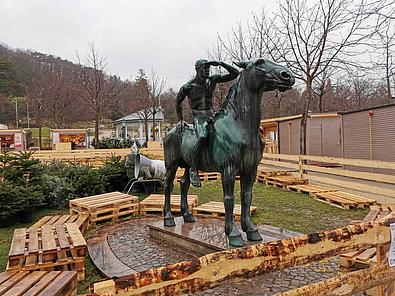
85,180
57,191
113,143
114,171
12,200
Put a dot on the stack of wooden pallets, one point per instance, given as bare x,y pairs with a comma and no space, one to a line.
50,247
284,181
344,200
82,221
54,283
103,207
263,173
203,176
310,189
217,210
154,203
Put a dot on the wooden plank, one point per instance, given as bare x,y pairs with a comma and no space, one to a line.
377,164
48,238
281,156
18,242
367,254
41,222
39,286
60,284
25,283
75,235
33,241
383,178
352,185
12,281
6,275
62,237
62,220
211,269
53,219
280,164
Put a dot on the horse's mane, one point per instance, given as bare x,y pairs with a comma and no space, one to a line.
228,99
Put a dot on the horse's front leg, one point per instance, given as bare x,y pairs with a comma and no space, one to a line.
247,182
228,186
184,184
169,179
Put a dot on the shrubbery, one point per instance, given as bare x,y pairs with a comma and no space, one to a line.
112,143
27,185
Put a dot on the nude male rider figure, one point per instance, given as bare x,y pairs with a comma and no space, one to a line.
200,91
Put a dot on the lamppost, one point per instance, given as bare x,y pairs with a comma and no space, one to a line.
89,138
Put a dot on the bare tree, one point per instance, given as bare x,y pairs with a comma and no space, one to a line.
97,87
156,86
311,38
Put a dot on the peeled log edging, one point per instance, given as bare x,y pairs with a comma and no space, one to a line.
209,270
347,284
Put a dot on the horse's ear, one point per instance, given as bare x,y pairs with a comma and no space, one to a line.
241,64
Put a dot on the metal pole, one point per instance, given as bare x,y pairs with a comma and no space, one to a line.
16,113
27,114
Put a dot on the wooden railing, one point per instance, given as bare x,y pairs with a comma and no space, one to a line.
330,175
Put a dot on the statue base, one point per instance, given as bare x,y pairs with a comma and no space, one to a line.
207,235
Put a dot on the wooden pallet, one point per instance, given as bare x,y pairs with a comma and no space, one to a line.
54,283
262,174
344,200
104,207
366,258
203,176
154,203
378,212
309,189
50,247
217,210
81,221
284,181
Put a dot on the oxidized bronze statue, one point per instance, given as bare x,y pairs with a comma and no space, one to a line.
200,92
233,146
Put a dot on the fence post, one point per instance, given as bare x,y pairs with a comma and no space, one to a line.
301,170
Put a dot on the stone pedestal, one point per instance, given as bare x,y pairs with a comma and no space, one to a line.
207,235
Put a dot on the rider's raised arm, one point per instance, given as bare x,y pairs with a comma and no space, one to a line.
180,98
232,72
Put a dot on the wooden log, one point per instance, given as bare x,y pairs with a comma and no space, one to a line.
347,284
209,270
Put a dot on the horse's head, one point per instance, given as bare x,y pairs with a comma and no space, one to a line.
262,74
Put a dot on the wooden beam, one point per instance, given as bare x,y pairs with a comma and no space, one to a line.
281,156
347,284
351,185
280,164
211,269
383,178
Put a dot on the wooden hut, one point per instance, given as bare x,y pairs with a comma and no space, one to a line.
324,134
69,139
369,133
13,139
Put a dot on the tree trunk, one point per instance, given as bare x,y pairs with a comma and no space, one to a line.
303,123
97,121
389,95
153,124
39,135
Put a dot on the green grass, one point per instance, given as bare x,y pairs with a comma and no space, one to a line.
276,207
290,210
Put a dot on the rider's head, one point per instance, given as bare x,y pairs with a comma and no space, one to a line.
202,68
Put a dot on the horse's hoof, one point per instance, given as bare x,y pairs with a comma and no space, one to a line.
254,235
236,241
169,222
189,218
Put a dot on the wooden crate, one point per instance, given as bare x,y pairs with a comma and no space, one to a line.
154,203
54,283
284,181
107,206
217,210
309,189
344,200
81,221
50,247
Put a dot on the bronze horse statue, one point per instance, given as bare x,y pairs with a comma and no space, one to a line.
234,146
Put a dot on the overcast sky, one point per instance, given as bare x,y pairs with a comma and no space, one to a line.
166,35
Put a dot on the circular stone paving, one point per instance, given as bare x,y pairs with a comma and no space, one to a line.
131,243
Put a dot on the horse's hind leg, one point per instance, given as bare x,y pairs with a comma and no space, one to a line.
184,184
247,182
170,175
228,186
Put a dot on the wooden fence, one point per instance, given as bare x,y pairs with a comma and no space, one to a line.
334,171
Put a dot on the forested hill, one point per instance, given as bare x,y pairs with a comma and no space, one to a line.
60,93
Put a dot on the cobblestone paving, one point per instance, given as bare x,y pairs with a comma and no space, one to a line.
132,244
